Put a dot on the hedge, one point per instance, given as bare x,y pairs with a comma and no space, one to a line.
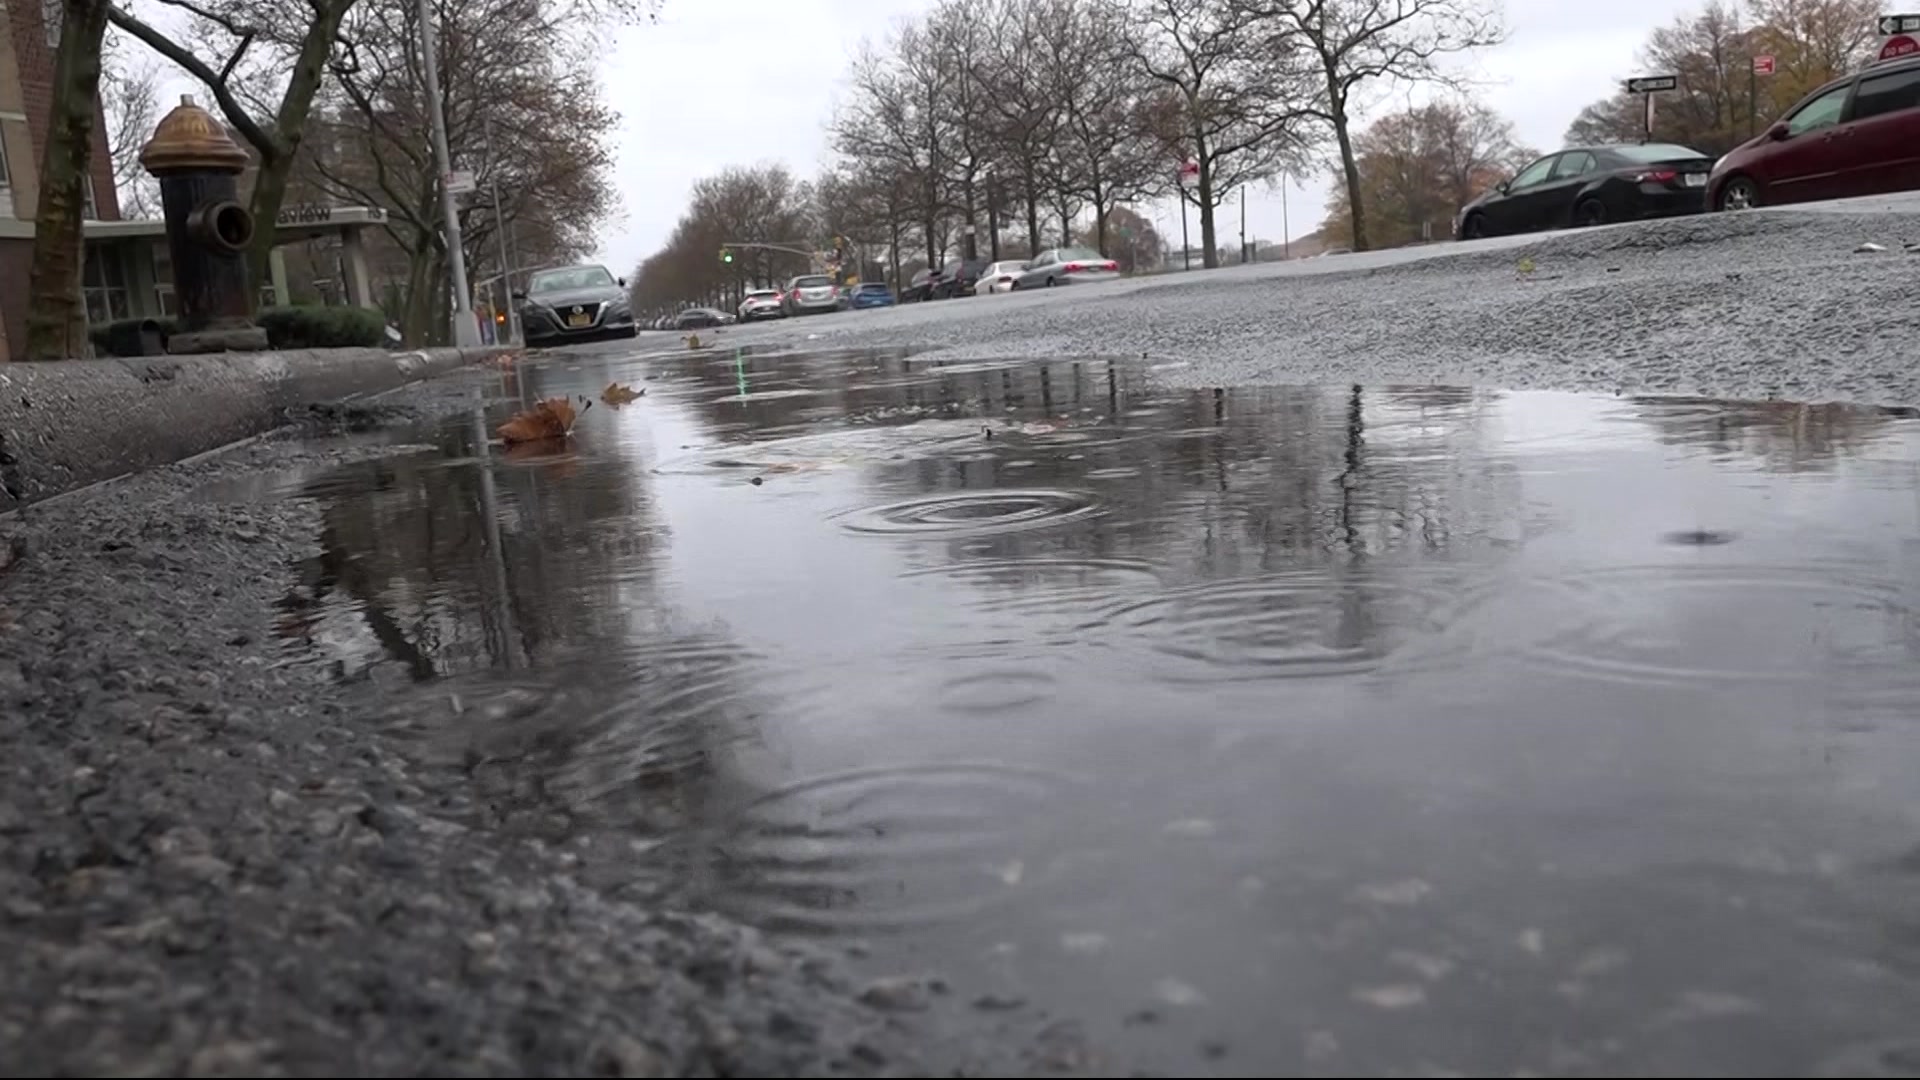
318,326
304,326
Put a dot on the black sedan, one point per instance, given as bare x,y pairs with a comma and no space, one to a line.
698,318
1592,185
575,303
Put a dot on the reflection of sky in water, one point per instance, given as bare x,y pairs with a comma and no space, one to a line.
1346,720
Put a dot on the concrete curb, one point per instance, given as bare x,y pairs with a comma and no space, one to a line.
68,424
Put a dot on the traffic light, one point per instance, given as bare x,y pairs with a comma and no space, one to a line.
500,317
726,255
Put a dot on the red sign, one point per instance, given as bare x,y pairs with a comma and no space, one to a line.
1763,65
1899,45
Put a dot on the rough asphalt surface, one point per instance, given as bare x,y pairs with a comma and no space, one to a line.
211,866
1768,304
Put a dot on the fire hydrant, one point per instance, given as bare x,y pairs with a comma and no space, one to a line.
208,230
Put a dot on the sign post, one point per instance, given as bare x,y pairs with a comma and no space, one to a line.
1647,86
1902,33
1762,65
1189,175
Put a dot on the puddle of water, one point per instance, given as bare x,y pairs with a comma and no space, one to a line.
1330,730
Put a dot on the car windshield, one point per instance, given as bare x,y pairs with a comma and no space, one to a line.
811,282
761,294
1079,254
573,277
1655,152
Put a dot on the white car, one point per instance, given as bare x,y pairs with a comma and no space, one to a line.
1066,266
761,304
998,277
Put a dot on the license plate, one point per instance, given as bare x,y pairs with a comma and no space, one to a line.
580,319
1695,179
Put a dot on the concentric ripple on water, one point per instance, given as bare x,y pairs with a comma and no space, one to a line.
1295,625
973,513
1730,624
883,848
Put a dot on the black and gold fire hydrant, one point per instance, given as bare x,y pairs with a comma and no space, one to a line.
208,231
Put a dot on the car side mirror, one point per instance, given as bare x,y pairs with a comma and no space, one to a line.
518,295
1778,131
622,282
1503,186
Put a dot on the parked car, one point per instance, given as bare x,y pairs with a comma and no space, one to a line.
958,278
1591,185
920,287
999,277
575,303
1066,266
1857,135
698,318
810,293
870,294
762,304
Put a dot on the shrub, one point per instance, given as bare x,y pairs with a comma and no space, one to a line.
317,326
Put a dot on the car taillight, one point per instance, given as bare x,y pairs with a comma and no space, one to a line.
1074,268
1656,176
1004,279
1113,266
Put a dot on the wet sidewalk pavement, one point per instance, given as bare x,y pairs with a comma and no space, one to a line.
1342,730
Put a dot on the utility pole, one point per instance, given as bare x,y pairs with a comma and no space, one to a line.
466,331
500,230
1243,224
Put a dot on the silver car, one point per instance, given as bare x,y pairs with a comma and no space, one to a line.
999,277
761,304
1066,266
811,293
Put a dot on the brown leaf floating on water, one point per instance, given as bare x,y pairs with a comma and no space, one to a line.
549,419
615,394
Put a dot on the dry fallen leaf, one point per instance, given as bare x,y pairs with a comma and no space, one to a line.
549,419
693,342
615,394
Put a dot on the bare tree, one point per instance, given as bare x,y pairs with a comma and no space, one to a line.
130,103
1022,112
1357,42
56,308
896,123
1235,97
1107,150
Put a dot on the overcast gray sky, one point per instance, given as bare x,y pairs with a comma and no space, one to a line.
742,81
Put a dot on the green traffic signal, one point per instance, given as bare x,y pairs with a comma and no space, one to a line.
726,255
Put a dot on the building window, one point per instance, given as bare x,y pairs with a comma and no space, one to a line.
6,168
105,285
88,209
52,15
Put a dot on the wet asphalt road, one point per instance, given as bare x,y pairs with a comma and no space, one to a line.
1039,713
1772,304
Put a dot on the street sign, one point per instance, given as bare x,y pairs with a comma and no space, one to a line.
1653,84
1189,173
1899,24
460,182
1763,65
1899,45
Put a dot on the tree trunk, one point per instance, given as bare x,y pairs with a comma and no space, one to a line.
56,308
289,130
417,318
970,241
1351,168
1100,210
1209,257
1033,213
893,248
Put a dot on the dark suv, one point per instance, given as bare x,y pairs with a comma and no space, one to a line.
959,277
1857,135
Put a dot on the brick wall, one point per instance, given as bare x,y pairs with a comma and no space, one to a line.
35,61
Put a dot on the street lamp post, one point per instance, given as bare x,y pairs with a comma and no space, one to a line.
500,228
466,331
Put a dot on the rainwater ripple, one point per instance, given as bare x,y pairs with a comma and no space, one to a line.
882,848
953,514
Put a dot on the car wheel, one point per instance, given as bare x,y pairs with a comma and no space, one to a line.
1589,213
1474,228
1051,283
1739,193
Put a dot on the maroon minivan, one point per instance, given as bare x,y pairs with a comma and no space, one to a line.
1857,135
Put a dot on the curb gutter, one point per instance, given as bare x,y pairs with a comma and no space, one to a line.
71,423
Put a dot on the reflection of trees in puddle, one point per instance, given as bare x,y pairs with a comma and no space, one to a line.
1783,436
503,618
